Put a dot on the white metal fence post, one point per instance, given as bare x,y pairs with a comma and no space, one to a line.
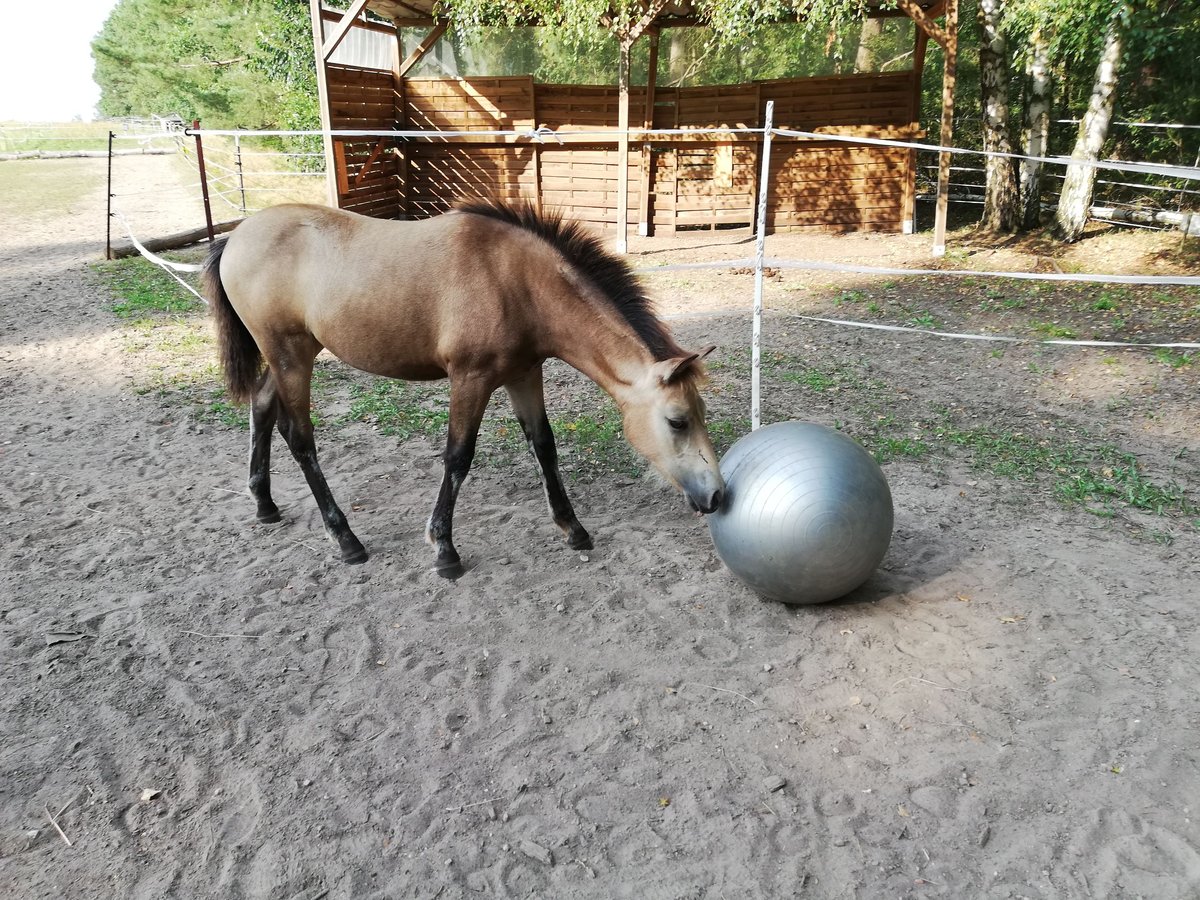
760,246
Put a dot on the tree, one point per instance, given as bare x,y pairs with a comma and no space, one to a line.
244,63
1036,132
1076,195
1001,201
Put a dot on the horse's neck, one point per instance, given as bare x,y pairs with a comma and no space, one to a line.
614,358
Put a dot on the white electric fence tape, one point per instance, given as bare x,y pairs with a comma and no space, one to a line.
759,262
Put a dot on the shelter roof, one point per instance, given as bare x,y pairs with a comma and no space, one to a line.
675,13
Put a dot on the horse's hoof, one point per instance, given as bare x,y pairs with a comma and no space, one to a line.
354,557
449,568
580,540
269,516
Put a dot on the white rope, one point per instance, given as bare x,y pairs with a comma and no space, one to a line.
772,262
1188,172
876,326
613,135
165,264
821,265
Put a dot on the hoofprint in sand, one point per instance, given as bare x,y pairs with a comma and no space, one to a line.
194,705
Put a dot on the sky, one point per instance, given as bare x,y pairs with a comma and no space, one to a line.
46,59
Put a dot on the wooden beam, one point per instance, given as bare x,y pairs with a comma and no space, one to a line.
647,152
318,26
926,23
908,219
400,117
623,147
341,29
335,15
362,173
172,241
638,27
947,134
422,48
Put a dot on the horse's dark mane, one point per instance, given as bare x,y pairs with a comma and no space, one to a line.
609,273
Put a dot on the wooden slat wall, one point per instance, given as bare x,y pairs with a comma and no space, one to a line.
808,103
827,186
581,180
830,187
480,104
365,99
438,175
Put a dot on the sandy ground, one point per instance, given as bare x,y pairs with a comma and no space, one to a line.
210,708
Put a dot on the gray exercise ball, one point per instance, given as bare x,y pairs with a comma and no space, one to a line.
807,515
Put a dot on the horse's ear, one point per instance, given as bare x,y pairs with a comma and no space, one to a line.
676,368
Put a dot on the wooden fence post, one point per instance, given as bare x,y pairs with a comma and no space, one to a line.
203,180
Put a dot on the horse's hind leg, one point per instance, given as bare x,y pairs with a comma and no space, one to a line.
528,400
264,411
295,424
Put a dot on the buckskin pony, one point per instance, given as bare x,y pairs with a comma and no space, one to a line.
483,295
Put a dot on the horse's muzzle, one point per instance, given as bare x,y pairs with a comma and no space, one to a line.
705,501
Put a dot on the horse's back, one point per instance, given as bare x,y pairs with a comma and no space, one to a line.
395,298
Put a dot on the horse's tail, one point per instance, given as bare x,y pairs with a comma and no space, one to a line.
240,357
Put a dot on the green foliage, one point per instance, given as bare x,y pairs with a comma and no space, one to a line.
231,63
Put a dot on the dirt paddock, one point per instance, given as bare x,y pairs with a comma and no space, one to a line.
193,705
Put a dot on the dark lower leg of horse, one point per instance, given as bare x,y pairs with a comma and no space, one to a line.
304,449
440,532
541,443
263,412
529,403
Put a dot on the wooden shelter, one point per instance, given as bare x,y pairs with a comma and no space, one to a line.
660,184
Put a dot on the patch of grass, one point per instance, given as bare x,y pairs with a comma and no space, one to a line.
24,137
399,409
1174,359
1098,477
592,444
849,297
217,409
924,319
143,289
1052,330
814,379
885,449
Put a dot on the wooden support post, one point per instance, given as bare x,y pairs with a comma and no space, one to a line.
909,215
623,146
947,133
399,118
203,182
647,171
318,27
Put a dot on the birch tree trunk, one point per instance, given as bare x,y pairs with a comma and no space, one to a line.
1001,198
1076,196
1037,128
868,41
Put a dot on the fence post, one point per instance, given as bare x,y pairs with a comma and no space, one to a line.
237,161
108,218
760,247
203,180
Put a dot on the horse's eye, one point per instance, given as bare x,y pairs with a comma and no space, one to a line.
678,424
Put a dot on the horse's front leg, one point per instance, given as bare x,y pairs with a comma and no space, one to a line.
529,403
468,399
